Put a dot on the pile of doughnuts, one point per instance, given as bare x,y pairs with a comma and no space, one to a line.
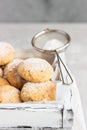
24,80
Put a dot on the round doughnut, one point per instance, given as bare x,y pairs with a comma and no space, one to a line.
6,53
11,74
38,91
3,82
35,70
9,94
1,72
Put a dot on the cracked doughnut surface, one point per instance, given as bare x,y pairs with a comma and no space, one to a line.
38,91
35,70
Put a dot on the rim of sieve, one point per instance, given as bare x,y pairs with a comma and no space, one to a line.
60,49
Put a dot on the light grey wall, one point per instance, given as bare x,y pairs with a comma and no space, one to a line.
43,10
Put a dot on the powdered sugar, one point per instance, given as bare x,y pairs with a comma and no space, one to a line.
5,48
53,44
13,64
40,86
9,94
36,64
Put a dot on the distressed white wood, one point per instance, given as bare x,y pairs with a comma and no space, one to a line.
32,118
44,114
67,119
20,128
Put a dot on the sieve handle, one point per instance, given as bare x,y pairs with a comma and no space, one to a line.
60,61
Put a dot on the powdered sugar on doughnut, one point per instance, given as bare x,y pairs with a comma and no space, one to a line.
5,48
40,86
36,64
13,64
38,91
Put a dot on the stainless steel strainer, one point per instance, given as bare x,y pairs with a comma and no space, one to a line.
42,38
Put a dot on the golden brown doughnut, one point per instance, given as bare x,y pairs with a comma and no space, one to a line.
9,94
3,82
1,72
35,70
11,74
6,53
38,91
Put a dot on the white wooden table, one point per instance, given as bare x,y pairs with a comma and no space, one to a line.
76,54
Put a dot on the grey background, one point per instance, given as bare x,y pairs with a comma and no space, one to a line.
43,10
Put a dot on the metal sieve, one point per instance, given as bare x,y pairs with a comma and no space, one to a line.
39,42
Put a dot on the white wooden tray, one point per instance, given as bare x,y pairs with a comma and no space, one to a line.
42,115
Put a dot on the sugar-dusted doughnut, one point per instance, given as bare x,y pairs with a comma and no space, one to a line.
6,53
11,74
3,82
35,70
38,91
9,94
1,72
